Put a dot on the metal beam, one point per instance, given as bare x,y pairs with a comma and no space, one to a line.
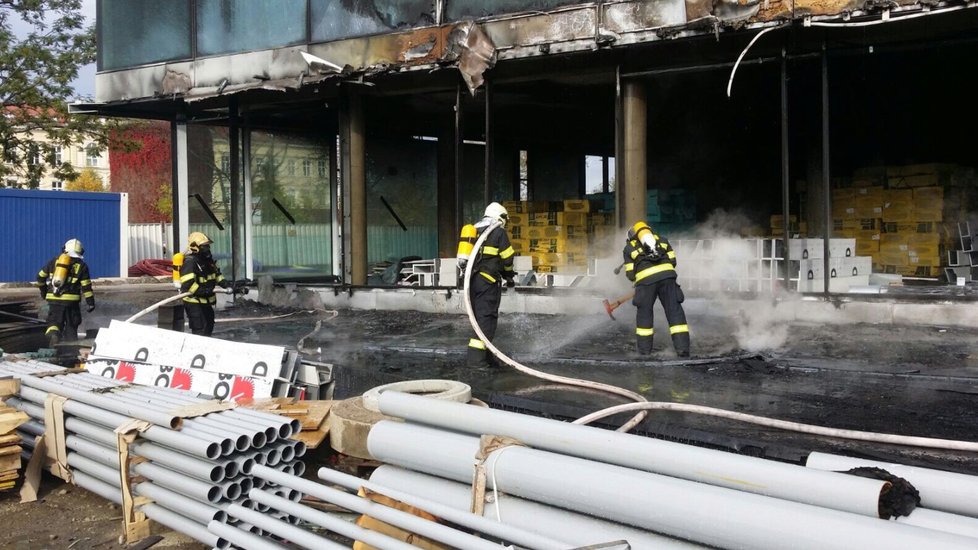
826,175
785,170
487,192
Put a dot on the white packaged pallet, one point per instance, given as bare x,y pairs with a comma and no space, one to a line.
839,285
803,249
838,267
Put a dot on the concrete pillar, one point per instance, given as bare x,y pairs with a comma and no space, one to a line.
353,152
447,231
632,191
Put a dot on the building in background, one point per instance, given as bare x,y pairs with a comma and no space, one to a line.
82,155
809,118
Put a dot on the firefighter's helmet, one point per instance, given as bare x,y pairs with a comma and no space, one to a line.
497,212
197,240
74,248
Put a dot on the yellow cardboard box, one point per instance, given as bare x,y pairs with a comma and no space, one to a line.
577,205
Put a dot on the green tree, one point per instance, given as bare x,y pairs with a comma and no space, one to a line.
87,180
37,66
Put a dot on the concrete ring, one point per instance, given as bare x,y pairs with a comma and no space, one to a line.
446,390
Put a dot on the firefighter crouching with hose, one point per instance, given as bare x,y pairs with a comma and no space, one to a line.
63,282
493,265
650,262
199,275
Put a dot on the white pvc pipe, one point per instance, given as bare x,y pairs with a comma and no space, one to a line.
458,517
744,473
329,521
241,538
581,529
409,522
947,491
942,521
284,529
693,511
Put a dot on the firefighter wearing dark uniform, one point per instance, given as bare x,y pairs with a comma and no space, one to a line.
650,262
63,282
493,265
199,275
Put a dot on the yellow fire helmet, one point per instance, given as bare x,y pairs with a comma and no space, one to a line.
197,240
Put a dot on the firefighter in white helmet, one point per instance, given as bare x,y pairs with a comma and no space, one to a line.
650,263
199,275
493,265
63,282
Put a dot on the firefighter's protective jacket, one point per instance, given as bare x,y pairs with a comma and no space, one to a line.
199,275
77,285
495,260
644,267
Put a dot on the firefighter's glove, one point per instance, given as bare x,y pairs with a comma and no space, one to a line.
44,293
91,308
461,263
510,283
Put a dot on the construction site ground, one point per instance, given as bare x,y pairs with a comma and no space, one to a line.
903,379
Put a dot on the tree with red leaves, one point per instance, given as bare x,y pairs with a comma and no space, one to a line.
139,155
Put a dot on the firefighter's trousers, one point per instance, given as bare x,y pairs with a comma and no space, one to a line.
485,296
669,293
200,317
63,321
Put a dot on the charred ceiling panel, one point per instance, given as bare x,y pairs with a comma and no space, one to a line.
139,83
639,16
827,7
475,53
338,19
460,10
536,30
417,47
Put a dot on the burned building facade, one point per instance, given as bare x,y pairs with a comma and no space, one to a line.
314,137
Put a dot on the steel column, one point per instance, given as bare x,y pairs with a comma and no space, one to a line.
826,166
635,134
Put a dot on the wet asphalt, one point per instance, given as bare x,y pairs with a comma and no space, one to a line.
895,379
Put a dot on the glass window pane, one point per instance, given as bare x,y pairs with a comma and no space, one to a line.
139,32
456,10
226,26
332,20
403,172
209,190
300,248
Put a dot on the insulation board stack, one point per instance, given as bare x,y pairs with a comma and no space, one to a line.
553,233
904,216
670,211
795,227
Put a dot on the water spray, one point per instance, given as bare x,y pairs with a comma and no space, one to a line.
634,421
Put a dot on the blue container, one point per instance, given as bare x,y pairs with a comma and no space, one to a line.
34,226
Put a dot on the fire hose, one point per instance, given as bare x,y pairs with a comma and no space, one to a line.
532,372
643,405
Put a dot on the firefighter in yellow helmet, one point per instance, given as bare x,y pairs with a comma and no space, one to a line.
63,282
650,262
199,275
493,265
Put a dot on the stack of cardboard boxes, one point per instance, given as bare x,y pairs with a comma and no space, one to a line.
899,215
795,228
556,234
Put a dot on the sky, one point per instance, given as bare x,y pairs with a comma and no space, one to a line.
85,83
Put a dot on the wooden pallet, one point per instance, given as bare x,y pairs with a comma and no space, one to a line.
10,448
311,414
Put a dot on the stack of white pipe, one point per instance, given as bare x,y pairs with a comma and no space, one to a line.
194,470
707,497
